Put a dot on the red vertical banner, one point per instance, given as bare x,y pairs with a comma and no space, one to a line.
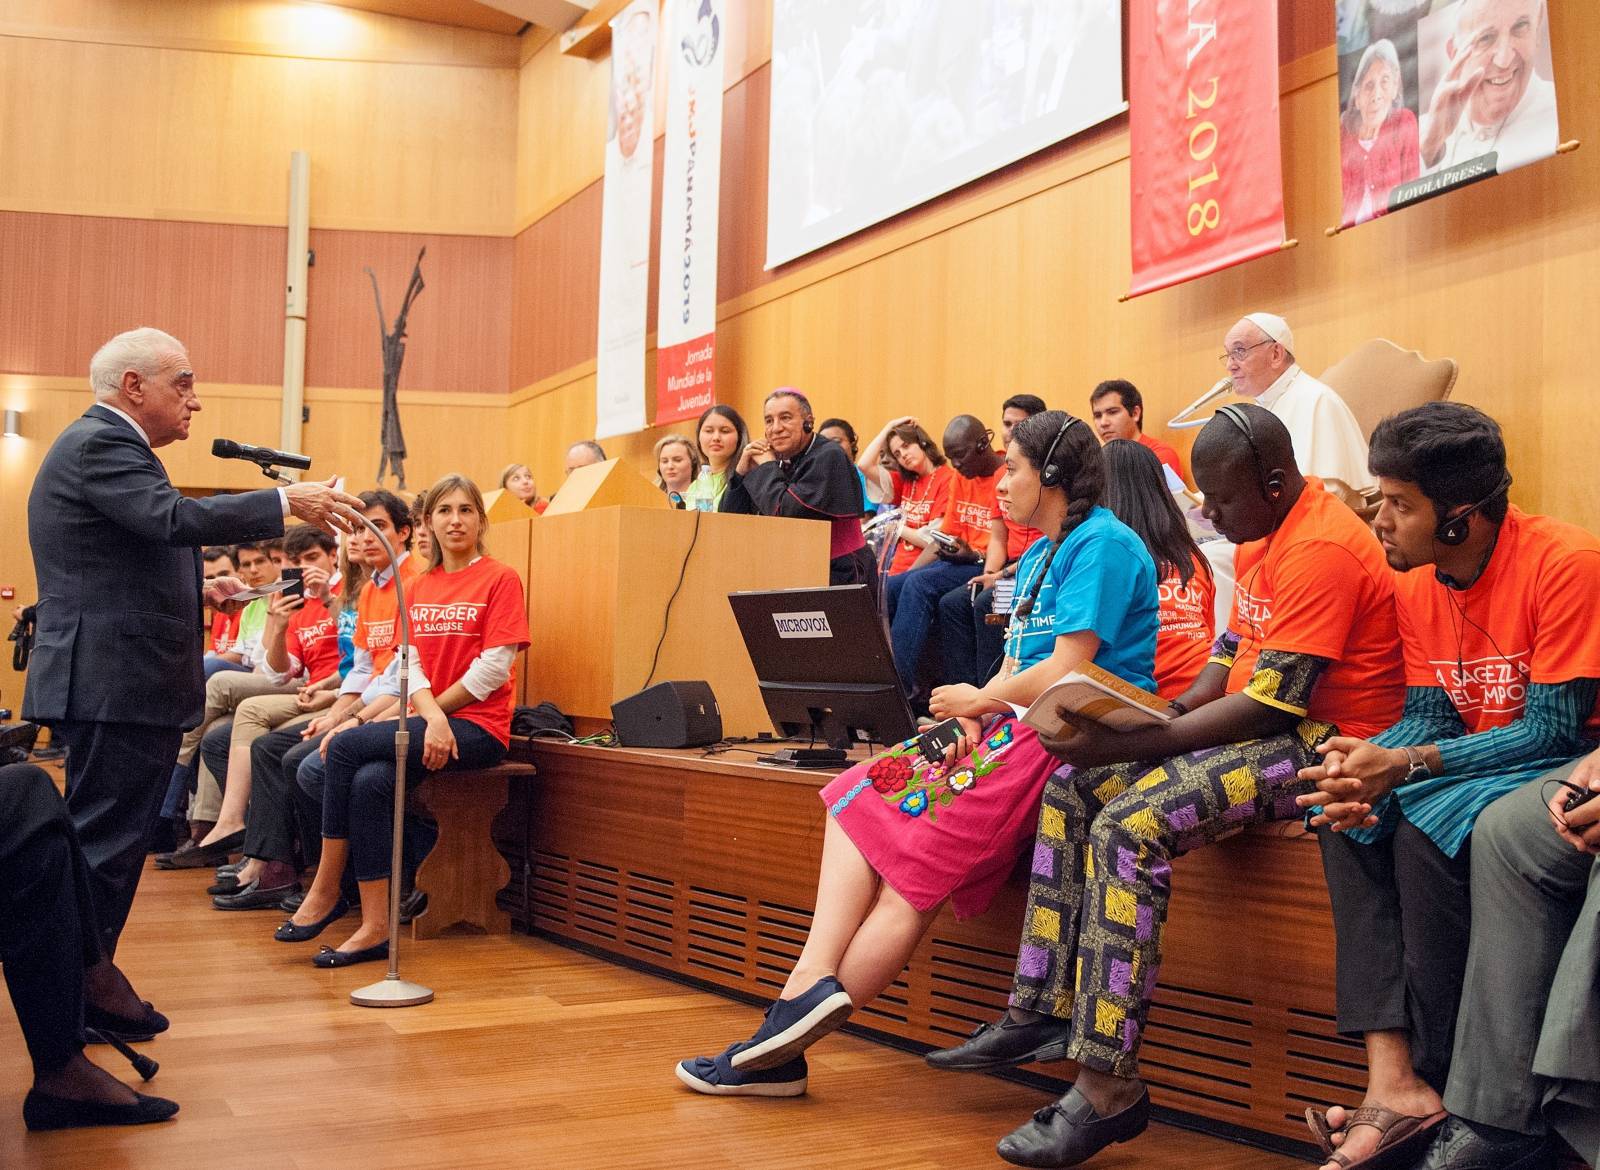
1207,169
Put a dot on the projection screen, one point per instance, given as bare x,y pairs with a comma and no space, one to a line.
879,105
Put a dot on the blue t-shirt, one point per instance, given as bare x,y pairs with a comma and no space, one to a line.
346,627
1102,580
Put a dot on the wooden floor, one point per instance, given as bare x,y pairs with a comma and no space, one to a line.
532,1055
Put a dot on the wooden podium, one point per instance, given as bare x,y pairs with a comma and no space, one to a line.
598,586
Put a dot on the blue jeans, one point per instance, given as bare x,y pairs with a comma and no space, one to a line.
913,598
214,665
972,647
358,789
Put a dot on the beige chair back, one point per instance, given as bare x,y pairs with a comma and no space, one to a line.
1378,379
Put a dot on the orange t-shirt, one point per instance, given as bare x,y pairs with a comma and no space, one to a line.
1165,453
375,615
1018,537
973,506
1320,585
1529,618
457,616
919,500
224,630
1186,633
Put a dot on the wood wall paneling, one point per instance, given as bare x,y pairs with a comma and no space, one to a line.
168,133
288,28
555,290
70,282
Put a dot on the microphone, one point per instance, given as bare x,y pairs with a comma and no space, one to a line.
1185,417
264,457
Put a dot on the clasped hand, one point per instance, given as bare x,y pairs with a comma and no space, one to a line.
1353,776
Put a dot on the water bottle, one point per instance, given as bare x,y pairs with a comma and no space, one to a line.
704,492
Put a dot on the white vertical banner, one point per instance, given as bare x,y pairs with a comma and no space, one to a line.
687,305
619,390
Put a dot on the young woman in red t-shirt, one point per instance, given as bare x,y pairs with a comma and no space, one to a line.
468,622
918,483
1136,491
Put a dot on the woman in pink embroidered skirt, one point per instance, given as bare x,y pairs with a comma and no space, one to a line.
905,835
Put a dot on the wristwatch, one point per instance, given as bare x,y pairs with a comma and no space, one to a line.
1418,770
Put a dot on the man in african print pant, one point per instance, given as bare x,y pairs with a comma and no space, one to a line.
1310,644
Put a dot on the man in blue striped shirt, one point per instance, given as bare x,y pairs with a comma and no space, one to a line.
1502,659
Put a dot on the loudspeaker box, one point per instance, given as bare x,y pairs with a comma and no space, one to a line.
668,715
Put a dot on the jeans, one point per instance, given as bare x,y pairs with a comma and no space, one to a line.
972,647
913,597
358,791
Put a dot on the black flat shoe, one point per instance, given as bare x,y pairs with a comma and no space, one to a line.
215,854
1006,1044
253,897
228,884
292,933
412,905
128,1029
42,1111
328,957
1070,1132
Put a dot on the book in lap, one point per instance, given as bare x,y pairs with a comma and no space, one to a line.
1089,692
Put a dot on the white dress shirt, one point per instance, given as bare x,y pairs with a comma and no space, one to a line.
1527,134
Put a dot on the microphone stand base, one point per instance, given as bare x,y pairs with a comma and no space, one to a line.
391,992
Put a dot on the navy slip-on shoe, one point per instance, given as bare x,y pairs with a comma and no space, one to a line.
716,1077
328,957
793,1025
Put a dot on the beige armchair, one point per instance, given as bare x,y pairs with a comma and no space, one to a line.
1378,379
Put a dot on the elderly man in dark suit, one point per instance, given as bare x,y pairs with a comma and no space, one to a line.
116,667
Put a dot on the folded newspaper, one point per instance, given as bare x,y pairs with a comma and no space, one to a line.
1089,692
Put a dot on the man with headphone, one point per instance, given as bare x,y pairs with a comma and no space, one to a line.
1502,660
794,472
1308,653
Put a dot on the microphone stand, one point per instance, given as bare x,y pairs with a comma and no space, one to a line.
391,991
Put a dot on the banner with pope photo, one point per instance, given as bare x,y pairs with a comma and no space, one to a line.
1206,168
619,383
691,176
1436,94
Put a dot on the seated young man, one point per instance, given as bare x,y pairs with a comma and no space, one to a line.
217,561
300,646
1526,1065
969,644
914,595
1502,656
1308,654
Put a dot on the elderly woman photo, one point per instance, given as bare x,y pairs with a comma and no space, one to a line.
1377,136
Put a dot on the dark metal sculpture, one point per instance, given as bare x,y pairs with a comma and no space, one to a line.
394,352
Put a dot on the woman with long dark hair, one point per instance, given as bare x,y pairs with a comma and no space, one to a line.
1137,493
918,483
904,835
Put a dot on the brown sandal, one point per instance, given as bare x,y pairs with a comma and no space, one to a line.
1402,1137
1321,1131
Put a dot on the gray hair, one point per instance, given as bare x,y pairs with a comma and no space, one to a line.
591,446
140,350
1381,52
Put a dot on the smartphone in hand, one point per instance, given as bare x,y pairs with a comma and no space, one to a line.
297,584
933,742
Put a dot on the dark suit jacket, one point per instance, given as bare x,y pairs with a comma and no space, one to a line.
116,552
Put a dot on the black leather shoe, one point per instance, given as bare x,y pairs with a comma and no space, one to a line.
1071,1132
412,905
42,1111
292,903
328,957
178,858
128,1029
253,897
1460,1146
293,932
1006,1043
227,884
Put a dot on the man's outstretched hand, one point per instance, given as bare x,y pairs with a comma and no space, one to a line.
325,506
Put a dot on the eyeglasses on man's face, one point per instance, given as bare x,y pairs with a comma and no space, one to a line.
1238,352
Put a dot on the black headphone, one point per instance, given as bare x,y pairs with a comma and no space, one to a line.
1453,531
1050,472
1271,487
806,426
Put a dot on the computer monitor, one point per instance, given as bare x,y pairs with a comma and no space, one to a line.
823,662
